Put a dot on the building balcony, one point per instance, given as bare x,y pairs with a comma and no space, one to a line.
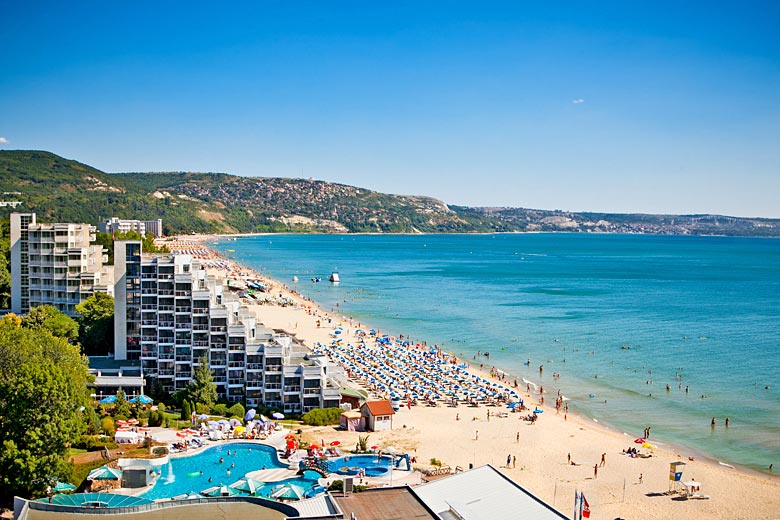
200,311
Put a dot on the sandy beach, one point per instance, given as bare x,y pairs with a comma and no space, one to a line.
539,451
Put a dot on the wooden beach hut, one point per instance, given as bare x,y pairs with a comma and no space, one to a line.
378,415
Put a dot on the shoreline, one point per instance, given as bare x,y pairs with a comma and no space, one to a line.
283,318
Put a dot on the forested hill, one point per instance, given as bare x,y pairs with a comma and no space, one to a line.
62,190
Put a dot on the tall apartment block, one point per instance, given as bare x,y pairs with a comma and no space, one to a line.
114,224
170,314
55,264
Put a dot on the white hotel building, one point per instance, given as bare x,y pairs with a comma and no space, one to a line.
169,314
55,264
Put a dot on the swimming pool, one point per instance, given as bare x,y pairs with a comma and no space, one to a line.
352,464
190,474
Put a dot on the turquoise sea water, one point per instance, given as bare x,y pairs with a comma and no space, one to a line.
706,308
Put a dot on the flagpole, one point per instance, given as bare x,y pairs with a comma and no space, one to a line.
582,499
576,498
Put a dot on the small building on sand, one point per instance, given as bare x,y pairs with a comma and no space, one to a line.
378,415
352,421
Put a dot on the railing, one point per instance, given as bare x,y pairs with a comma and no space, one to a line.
200,344
200,327
166,324
273,386
183,293
218,328
200,310
165,307
185,326
294,389
184,309
254,366
311,391
273,368
235,381
149,338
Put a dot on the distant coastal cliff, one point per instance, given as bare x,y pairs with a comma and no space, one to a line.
62,190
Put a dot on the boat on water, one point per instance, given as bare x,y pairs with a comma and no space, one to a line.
334,277
295,279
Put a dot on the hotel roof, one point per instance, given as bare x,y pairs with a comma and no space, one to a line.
389,503
483,493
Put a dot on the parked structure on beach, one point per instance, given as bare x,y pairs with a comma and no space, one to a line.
55,264
169,314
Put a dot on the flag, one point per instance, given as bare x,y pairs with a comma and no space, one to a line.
585,507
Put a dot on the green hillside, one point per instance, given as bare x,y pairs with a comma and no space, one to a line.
62,190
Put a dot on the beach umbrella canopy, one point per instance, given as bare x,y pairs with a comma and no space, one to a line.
640,441
277,415
335,443
203,417
132,421
221,491
263,419
109,399
248,485
64,487
289,491
141,399
250,414
104,473
235,422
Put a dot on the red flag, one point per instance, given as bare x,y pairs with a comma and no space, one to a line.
585,507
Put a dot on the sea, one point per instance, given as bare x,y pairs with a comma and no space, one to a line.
619,317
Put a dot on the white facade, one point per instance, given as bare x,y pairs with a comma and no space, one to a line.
55,264
114,224
174,315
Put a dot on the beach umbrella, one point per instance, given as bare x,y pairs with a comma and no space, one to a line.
277,415
289,491
104,473
141,399
640,441
374,447
235,422
109,399
181,434
203,417
120,422
64,487
263,419
132,421
220,491
250,414
247,485
335,443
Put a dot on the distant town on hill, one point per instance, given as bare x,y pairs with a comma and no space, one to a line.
62,190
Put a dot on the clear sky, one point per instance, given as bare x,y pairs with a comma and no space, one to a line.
667,107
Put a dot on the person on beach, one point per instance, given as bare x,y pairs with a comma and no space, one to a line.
641,478
514,462
568,458
476,435
727,422
596,471
712,423
508,460
517,438
603,459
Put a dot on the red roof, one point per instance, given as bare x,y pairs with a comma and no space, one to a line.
376,408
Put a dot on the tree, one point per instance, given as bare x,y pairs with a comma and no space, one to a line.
48,318
202,388
96,333
186,411
43,387
121,406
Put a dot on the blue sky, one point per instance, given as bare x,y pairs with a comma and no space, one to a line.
603,106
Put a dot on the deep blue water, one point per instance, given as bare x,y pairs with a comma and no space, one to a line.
707,308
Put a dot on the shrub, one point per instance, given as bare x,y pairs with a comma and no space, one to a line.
107,425
155,418
337,485
435,462
93,443
220,409
161,407
202,408
322,416
237,410
186,411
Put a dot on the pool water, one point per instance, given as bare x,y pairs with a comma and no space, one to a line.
183,475
351,464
